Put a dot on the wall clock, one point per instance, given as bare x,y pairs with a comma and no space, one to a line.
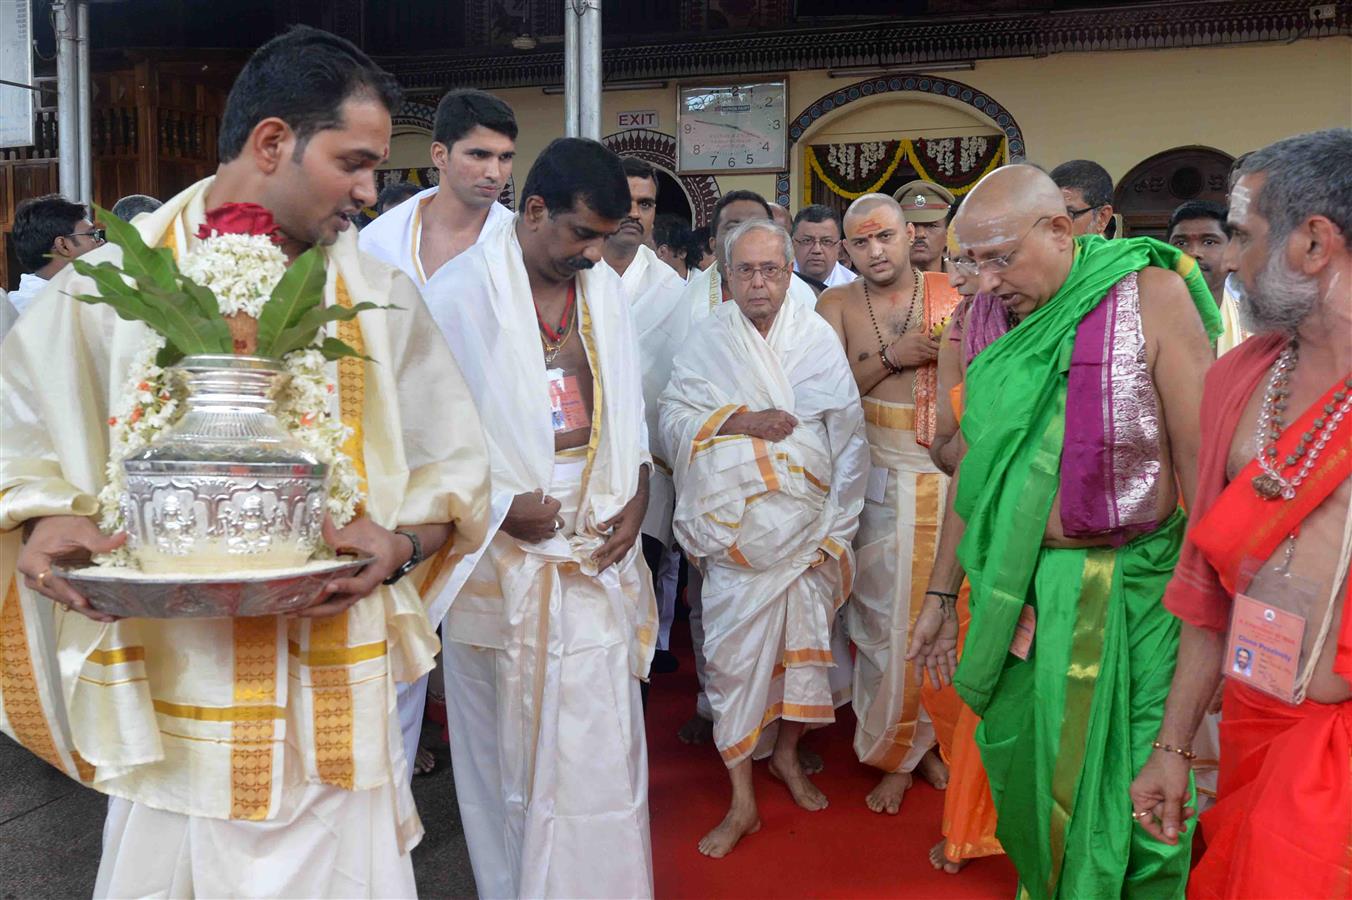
722,129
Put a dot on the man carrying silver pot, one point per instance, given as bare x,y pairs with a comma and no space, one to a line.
254,756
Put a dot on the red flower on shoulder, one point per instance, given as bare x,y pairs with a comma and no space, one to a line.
240,218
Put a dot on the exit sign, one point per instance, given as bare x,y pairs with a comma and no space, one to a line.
638,118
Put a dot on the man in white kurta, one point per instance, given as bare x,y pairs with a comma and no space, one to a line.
473,151
763,419
548,640
253,756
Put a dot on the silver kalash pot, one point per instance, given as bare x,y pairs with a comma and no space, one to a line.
226,489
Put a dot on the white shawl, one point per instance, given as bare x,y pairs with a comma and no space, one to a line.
655,291
485,308
395,237
765,504
704,293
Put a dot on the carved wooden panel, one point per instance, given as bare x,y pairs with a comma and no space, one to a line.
1155,187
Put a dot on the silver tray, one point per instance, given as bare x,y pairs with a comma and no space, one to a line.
133,593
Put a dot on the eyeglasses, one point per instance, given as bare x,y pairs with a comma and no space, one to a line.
1076,213
98,234
971,268
769,271
825,243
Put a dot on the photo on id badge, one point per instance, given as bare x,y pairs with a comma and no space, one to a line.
567,412
1264,647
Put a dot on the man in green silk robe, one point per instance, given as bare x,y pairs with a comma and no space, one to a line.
1085,361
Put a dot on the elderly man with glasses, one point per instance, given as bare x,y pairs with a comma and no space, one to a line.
1084,367
48,233
766,433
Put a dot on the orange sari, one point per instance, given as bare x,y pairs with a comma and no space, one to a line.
969,811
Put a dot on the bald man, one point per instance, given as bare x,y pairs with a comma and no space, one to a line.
1083,379
888,320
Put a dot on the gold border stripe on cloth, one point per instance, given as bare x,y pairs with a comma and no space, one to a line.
253,734
885,415
116,656
219,713
18,682
345,657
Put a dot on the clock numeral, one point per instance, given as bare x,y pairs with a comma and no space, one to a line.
688,128
713,160
774,123
750,160
695,149
765,146
732,163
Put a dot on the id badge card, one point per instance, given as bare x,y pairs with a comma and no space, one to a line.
567,412
1263,651
1022,644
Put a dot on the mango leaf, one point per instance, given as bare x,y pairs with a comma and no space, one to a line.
202,297
300,290
186,327
145,264
127,301
169,355
332,348
303,333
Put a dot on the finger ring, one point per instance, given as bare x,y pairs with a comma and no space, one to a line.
558,523
42,577
1138,816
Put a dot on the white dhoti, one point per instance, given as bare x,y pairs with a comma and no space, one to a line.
768,654
895,547
325,842
547,736
411,703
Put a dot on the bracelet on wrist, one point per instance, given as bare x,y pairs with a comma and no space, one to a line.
887,362
1168,748
948,603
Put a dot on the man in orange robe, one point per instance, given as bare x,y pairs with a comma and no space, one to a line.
1271,532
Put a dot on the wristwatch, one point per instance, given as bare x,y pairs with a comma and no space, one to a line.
413,560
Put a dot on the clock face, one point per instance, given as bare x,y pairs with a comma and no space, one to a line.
733,128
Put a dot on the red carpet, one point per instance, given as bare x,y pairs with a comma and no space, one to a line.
842,851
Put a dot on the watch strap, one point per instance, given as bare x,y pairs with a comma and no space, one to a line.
413,561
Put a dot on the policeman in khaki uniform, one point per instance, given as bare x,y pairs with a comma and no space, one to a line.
926,206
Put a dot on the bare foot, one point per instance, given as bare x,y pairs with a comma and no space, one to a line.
810,760
805,793
698,730
737,824
886,797
933,770
939,859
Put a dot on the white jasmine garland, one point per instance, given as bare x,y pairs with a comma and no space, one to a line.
240,269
